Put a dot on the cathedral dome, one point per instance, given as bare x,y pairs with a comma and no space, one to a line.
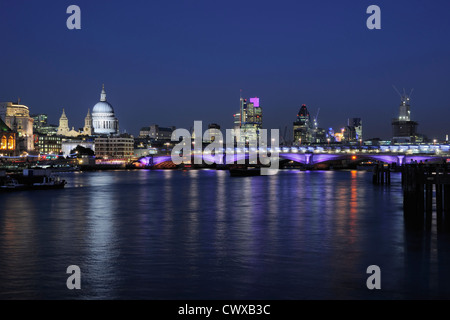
103,120
102,107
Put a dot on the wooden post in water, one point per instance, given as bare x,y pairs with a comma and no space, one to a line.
419,194
428,198
419,182
447,205
374,174
438,203
388,173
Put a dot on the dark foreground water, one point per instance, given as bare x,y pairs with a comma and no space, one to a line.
204,235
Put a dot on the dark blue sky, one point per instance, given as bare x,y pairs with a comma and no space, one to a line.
173,62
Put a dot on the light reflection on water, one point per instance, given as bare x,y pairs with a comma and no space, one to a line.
203,235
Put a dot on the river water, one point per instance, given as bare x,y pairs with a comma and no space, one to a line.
201,234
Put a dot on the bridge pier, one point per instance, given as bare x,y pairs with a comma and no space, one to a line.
400,160
308,158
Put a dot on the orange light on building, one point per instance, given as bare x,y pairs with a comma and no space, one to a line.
353,157
11,143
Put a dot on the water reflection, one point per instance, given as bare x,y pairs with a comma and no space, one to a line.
201,235
18,244
100,260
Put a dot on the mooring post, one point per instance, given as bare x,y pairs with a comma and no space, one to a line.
428,198
374,175
388,172
447,204
419,195
438,203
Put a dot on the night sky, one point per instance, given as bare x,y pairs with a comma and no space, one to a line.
173,62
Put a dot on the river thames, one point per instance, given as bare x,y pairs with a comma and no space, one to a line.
202,234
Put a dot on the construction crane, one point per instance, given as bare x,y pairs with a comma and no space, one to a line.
404,97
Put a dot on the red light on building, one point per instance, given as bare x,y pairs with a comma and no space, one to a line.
353,157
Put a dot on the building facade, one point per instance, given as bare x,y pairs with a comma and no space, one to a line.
46,144
114,147
7,140
41,126
17,117
356,123
157,133
65,131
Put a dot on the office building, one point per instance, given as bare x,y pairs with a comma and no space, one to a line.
303,127
248,120
114,147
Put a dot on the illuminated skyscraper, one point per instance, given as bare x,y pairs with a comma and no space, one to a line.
357,124
403,129
248,120
303,127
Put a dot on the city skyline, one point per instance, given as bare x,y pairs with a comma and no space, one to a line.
213,154
172,64
286,129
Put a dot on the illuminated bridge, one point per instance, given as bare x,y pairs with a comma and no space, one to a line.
398,154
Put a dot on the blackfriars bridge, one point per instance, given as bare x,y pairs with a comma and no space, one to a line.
311,155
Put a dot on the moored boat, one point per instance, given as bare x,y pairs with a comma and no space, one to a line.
30,182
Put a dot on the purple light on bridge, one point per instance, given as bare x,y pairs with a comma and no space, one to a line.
255,102
383,158
144,161
211,159
232,158
300,158
318,158
161,159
